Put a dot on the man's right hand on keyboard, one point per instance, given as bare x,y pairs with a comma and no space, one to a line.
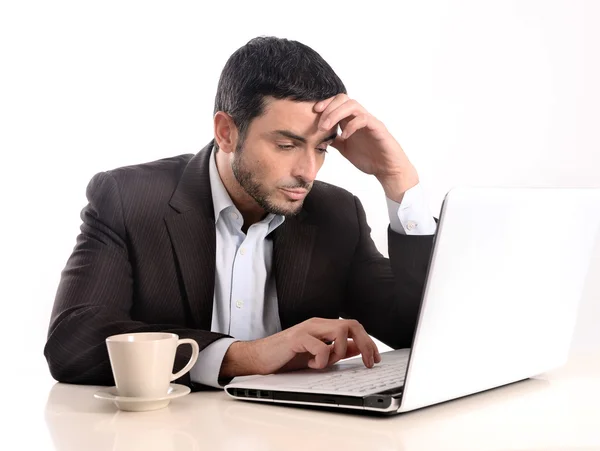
301,346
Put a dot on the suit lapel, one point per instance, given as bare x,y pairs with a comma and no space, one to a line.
193,237
293,244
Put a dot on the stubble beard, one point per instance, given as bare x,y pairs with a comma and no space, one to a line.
253,187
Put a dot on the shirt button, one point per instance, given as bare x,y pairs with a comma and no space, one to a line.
234,215
243,251
239,304
410,225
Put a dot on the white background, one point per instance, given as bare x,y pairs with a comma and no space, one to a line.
477,92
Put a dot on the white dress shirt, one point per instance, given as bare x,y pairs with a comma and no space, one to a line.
245,300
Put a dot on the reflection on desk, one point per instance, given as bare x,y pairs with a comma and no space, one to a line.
560,410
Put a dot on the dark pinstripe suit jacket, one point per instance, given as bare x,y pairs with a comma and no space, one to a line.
145,261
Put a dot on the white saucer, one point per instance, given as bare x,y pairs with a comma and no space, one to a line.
141,404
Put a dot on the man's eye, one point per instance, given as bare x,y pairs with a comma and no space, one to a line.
322,150
285,146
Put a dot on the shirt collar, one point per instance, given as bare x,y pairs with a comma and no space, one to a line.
220,196
222,200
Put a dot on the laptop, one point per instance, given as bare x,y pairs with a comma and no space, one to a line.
505,278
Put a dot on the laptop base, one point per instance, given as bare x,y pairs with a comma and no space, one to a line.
386,402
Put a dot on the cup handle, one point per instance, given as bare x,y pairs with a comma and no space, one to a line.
192,362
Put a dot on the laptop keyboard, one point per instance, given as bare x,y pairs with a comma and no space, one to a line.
355,378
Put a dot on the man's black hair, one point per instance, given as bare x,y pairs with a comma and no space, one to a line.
276,67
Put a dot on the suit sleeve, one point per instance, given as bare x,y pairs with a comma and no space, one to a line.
95,296
384,295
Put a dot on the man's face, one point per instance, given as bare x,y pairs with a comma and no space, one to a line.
278,160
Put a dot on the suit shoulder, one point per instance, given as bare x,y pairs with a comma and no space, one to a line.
166,167
152,182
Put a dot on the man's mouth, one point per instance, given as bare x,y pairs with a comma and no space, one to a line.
295,193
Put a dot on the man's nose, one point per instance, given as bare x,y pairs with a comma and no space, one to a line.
306,167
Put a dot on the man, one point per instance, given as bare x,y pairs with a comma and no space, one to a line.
238,247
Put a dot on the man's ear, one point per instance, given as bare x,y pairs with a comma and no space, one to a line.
226,133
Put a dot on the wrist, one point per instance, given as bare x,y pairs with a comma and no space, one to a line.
240,360
396,185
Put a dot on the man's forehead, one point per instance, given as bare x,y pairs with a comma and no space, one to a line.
285,113
274,106
296,117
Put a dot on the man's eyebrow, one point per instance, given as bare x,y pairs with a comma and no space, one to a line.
289,134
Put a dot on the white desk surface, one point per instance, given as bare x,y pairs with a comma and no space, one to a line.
558,411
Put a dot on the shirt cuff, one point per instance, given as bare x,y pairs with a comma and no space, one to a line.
208,366
412,216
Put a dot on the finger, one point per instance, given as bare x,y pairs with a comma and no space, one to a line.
366,346
318,349
355,124
341,114
331,330
340,346
323,104
325,122
352,349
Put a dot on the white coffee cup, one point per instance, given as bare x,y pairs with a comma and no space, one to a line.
142,363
